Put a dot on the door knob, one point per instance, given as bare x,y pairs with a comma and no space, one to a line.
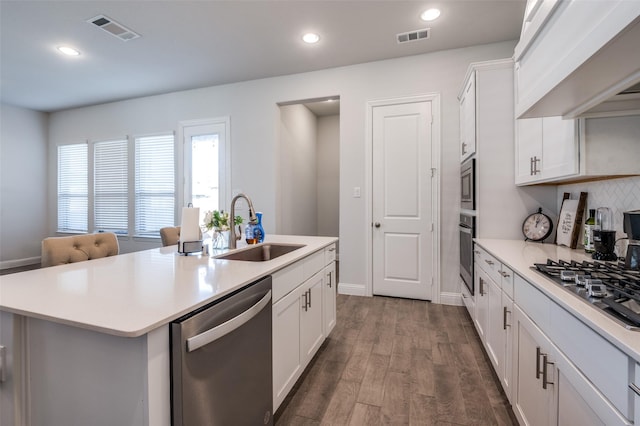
377,224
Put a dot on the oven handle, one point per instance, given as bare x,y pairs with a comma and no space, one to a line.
466,230
203,339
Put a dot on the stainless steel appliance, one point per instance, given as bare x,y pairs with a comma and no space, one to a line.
468,184
467,232
631,227
221,362
608,286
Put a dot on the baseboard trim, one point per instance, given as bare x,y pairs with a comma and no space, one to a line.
454,299
6,264
351,289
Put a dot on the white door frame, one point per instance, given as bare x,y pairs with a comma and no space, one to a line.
434,98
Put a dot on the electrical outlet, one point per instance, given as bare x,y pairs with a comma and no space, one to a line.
356,192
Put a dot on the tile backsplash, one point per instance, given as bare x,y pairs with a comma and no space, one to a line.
620,195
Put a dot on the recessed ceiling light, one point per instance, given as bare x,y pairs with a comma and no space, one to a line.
430,15
70,51
311,38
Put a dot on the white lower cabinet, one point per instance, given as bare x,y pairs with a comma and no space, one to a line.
493,319
329,298
303,315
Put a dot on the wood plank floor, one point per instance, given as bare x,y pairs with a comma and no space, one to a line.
398,361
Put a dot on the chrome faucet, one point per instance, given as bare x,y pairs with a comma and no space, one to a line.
253,220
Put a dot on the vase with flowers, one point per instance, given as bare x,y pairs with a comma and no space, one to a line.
219,222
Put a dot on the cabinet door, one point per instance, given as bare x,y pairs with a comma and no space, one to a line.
494,333
482,303
311,335
329,298
528,149
287,360
507,326
532,403
559,148
573,410
468,119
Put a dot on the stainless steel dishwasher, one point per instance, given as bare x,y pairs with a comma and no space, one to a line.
221,369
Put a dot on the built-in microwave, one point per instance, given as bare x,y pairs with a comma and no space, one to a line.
468,185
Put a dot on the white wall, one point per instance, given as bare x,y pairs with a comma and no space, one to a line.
328,175
23,185
255,120
298,189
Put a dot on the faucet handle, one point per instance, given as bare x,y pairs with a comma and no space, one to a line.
239,233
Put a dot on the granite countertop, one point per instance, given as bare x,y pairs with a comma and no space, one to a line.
131,294
521,255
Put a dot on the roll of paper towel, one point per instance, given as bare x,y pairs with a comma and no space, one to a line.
190,227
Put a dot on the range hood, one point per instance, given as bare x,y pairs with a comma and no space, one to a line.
607,83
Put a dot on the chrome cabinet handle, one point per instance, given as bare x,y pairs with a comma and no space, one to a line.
477,252
227,327
489,262
634,388
482,293
504,274
545,372
505,311
530,166
329,275
332,249
538,353
464,151
305,306
309,297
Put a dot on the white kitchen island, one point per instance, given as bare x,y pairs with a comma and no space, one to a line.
88,343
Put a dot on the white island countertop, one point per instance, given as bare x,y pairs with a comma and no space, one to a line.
521,256
131,294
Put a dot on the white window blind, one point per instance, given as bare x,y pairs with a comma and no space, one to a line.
154,184
73,191
110,189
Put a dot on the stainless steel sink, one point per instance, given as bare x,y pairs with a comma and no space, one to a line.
261,253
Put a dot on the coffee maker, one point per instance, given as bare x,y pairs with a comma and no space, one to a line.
631,227
604,236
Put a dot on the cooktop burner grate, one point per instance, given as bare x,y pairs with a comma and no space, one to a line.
606,285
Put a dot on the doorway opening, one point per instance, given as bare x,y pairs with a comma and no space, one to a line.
309,167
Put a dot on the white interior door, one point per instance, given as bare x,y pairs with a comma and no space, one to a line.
402,201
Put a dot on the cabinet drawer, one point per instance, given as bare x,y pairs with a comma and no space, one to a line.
285,280
329,254
532,301
312,264
507,280
488,263
601,362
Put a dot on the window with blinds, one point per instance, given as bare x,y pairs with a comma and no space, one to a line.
110,189
154,184
73,188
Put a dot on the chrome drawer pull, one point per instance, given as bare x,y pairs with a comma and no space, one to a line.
634,388
489,262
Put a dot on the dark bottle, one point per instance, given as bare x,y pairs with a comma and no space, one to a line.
588,231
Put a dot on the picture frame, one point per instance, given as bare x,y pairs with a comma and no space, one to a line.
570,220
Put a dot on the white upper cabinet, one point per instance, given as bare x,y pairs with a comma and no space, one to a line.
573,55
551,149
468,117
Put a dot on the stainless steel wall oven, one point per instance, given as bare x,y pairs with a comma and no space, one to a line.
468,185
467,232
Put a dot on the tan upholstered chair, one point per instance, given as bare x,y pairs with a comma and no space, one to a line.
170,235
77,248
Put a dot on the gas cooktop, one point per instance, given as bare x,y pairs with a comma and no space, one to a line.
606,285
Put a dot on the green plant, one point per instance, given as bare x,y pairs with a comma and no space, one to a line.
219,220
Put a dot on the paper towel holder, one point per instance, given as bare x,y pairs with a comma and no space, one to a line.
187,247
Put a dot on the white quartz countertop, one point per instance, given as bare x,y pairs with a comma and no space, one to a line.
132,294
521,256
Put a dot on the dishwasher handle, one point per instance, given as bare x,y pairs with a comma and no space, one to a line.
203,339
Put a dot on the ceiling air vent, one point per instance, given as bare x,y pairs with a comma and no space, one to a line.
413,35
113,28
